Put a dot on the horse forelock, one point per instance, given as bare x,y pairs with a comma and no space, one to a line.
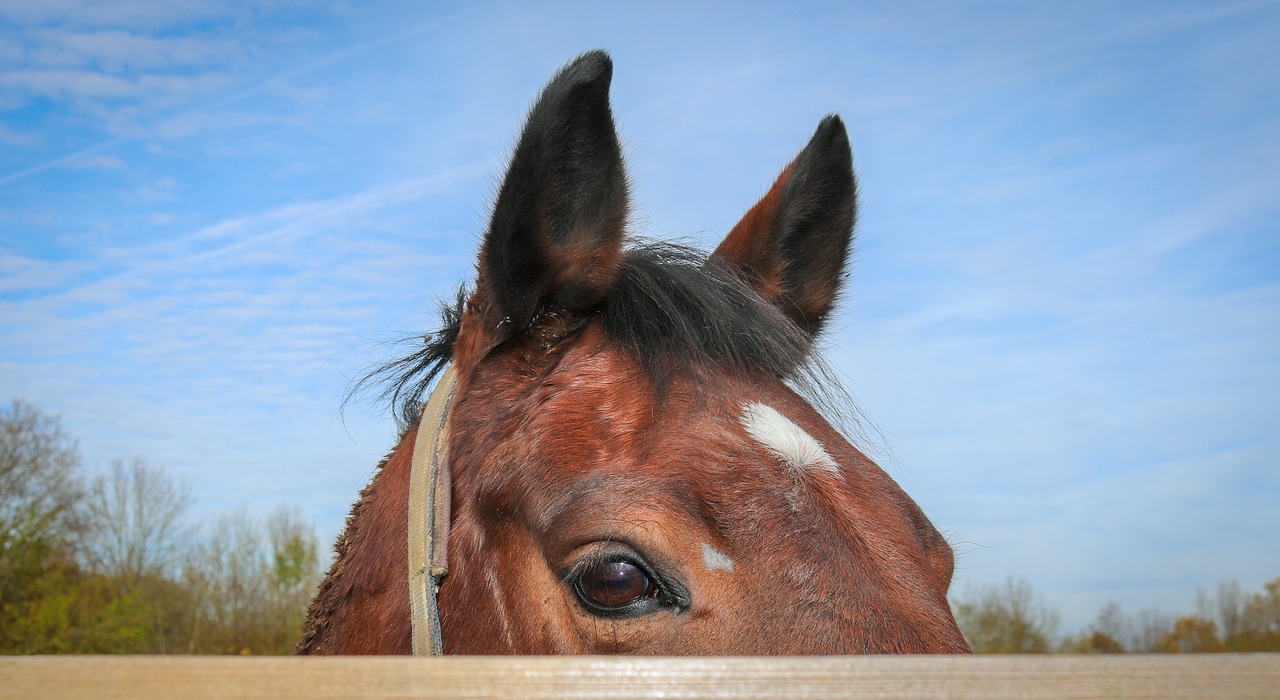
672,307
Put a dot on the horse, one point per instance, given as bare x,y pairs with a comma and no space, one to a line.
637,463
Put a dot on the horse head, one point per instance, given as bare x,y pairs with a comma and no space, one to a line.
635,468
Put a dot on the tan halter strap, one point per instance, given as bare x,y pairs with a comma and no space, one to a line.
429,516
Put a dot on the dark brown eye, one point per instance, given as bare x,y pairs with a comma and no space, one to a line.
614,584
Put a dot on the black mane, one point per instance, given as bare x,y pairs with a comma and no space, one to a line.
677,309
673,307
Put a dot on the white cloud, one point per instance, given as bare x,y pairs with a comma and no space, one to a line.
61,83
99,162
23,274
119,13
116,51
22,139
161,218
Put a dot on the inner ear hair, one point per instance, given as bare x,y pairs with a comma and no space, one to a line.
555,236
792,246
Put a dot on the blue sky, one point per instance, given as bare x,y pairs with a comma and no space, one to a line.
1064,316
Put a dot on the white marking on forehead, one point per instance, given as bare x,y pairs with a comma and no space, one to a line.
786,440
714,559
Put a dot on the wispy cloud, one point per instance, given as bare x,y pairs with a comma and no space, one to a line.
222,321
99,162
22,274
132,14
115,51
141,86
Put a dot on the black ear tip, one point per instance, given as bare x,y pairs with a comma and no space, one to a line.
592,66
830,133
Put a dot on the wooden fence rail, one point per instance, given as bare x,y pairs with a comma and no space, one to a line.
1194,676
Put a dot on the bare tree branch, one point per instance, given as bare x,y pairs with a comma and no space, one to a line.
135,518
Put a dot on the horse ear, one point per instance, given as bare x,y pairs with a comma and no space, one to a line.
557,227
793,245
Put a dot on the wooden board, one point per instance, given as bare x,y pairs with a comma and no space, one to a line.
986,677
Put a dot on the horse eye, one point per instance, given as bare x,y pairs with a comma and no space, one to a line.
611,585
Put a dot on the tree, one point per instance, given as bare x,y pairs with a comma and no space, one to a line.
134,537
38,491
253,590
38,495
1264,619
1191,635
1094,643
1105,635
1249,621
295,574
1006,619
1230,608
135,523
226,572
1112,622
1152,626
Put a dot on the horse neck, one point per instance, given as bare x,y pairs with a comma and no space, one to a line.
362,606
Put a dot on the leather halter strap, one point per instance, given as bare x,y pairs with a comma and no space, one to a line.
429,515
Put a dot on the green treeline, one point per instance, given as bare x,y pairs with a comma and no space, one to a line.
112,564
